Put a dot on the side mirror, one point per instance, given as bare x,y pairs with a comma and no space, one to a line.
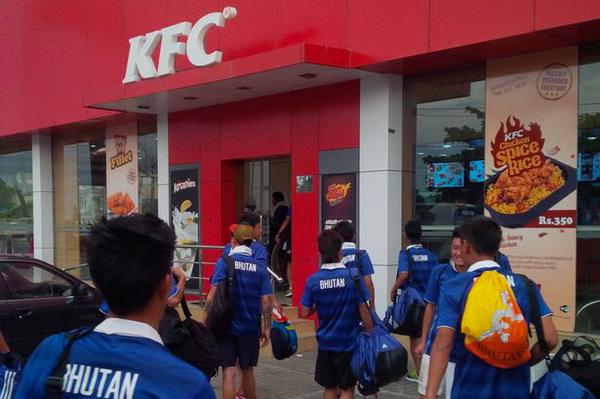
83,290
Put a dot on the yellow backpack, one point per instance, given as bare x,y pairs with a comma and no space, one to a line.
494,327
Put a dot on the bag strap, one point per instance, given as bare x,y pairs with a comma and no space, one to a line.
230,271
356,277
534,314
54,383
185,308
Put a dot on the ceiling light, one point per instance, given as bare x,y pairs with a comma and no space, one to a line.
190,98
243,88
592,138
308,75
420,153
93,145
447,146
470,148
443,155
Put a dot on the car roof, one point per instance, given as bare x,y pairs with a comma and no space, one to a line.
17,257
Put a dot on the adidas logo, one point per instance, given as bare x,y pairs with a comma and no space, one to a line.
384,346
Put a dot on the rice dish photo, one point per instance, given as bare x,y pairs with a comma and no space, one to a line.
517,194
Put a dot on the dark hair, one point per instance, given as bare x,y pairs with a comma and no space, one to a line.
345,229
128,258
330,244
412,229
278,195
483,233
455,234
250,218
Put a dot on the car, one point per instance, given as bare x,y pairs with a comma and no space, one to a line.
38,300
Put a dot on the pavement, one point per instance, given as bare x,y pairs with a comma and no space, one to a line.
293,378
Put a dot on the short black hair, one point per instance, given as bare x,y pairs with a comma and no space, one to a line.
330,244
250,218
345,229
128,257
455,233
278,195
483,233
413,231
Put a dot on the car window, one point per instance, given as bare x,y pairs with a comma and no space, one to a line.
27,280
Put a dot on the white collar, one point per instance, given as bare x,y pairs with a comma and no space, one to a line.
483,264
241,249
128,328
453,265
333,266
414,246
348,245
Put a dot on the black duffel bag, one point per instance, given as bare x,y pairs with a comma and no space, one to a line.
580,360
190,340
221,310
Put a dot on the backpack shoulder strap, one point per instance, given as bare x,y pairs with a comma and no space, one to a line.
54,382
534,312
356,278
185,308
230,270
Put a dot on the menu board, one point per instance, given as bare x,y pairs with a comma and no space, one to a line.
531,168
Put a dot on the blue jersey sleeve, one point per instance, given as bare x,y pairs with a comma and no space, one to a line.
220,272
544,309
265,285
307,297
432,292
226,249
448,307
39,366
366,267
402,262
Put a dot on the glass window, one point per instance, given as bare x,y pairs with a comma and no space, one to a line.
588,194
446,115
29,281
16,196
148,173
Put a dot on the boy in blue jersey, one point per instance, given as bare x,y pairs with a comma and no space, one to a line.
331,293
252,299
130,261
439,275
259,252
355,258
423,262
474,378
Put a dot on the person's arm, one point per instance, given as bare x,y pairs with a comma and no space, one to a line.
367,271
208,303
3,345
365,316
267,308
282,228
550,334
400,279
440,352
179,275
371,290
427,317
306,312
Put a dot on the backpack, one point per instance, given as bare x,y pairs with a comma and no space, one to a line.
580,360
190,340
405,315
11,369
221,312
284,340
378,359
493,323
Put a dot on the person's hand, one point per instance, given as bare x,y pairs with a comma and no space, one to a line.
264,338
393,294
278,238
179,276
420,349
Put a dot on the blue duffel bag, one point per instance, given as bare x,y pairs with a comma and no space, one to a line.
558,385
10,374
405,315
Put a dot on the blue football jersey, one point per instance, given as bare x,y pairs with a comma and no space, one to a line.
423,262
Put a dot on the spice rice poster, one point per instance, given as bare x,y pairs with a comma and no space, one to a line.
531,169
121,170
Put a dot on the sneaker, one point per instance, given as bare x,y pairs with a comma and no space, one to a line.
412,376
288,294
239,395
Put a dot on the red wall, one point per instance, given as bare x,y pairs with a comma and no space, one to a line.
297,124
55,53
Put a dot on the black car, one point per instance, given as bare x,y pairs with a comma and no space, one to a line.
38,300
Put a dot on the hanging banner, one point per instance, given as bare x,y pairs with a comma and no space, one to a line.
184,215
338,200
121,170
531,169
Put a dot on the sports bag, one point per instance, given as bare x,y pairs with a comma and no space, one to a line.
492,322
221,312
190,340
405,315
11,369
580,360
558,385
284,340
378,359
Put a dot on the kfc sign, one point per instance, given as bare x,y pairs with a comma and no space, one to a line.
140,64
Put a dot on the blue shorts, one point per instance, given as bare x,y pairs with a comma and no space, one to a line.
239,349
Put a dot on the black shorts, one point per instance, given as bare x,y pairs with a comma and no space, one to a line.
239,349
333,370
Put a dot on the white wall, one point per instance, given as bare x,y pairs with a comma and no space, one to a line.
380,202
43,210
163,166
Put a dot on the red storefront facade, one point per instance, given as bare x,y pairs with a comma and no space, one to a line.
293,82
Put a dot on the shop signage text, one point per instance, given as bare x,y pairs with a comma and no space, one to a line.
140,64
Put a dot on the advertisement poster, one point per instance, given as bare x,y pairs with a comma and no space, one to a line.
531,169
184,215
339,199
121,170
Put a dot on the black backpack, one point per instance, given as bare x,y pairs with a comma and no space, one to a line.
221,311
190,340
